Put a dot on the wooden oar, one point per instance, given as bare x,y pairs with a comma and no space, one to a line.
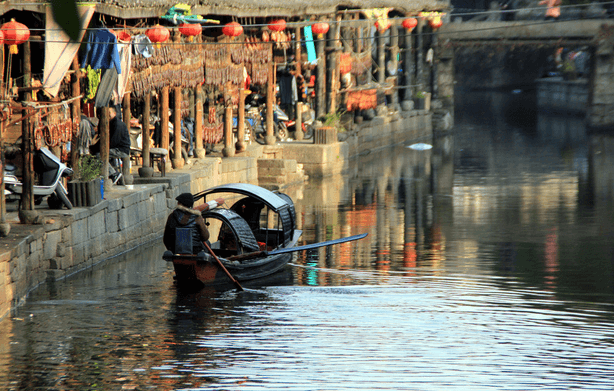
297,248
239,287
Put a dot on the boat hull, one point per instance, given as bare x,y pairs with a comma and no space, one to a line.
193,273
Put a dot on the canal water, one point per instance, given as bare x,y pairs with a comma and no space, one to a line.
488,265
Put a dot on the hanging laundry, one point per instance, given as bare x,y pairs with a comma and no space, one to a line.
93,80
125,54
142,46
101,51
107,85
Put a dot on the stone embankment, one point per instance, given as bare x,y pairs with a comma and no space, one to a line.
69,241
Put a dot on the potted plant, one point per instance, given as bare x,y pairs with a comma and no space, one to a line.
85,189
419,98
327,133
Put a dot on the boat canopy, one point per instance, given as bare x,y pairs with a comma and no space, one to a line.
270,199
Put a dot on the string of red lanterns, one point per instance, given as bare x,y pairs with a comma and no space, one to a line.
190,30
15,33
277,25
158,34
409,24
320,29
232,29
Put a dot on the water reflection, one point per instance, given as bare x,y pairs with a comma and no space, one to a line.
489,262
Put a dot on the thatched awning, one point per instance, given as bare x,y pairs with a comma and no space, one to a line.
133,9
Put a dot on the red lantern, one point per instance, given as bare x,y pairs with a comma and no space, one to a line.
232,29
383,25
190,30
277,25
435,22
15,34
409,24
158,34
319,28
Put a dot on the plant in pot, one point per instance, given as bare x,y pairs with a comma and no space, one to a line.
85,190
327,133
419,98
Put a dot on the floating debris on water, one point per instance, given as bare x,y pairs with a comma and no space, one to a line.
420,146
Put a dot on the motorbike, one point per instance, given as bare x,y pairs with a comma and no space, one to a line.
255,107
307,125
49,170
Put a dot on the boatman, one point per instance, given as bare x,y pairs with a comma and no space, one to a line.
185,216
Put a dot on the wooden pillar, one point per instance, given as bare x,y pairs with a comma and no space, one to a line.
178,161
229,150
420,56
381,56
199,151
298,127
145,128
164,139
103,129
126,112
332,65
408,67
320,78
198,125
394,51
27,196
269,138
434,77
298,51
241,145
76,115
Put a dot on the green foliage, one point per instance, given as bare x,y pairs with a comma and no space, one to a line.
90,167
419,95
334,120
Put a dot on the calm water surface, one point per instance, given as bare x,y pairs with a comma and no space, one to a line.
488,265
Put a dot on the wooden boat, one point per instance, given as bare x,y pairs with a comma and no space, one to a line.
246,237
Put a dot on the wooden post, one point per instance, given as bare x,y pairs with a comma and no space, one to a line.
126,113
332,65
419,56
394,51
164,140
76,115
434,77
229,150
103,128
381,56
145,128
297,51
241,145
178,161
27,196
320,78
199,151
269,138
298,127
408,67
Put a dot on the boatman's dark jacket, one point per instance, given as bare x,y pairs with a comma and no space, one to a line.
183,217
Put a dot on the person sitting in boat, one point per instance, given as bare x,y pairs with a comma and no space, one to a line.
185,216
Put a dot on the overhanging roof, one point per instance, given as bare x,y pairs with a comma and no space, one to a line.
132,9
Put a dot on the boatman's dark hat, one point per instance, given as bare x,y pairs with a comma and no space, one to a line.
186,199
